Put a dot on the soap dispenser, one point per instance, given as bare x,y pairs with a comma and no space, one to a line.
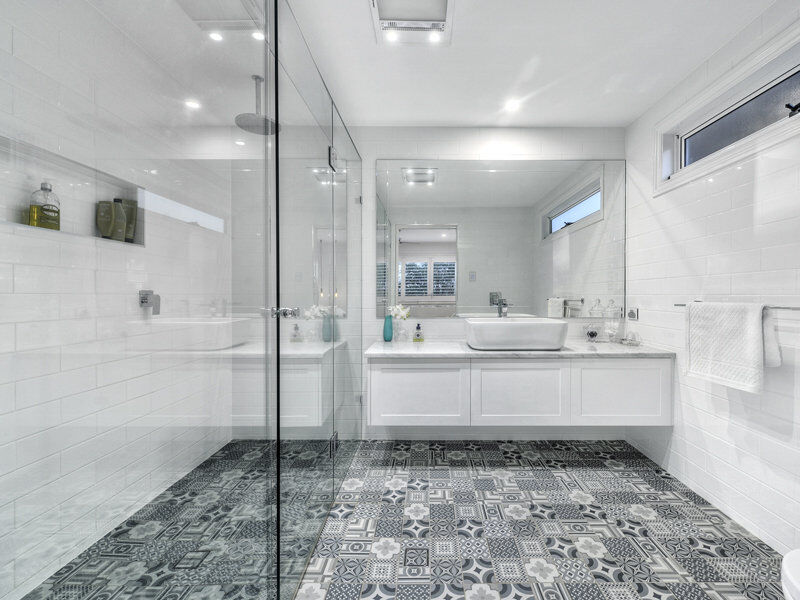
418,335
45,208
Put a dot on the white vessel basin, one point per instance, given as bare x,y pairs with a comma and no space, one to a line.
516,334
489,315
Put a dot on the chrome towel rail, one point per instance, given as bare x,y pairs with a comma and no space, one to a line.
769,306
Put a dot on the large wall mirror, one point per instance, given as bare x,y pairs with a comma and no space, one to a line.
455,236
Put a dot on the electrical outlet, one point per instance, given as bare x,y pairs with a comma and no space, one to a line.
633,314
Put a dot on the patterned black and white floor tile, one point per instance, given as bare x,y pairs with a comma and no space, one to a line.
211,535
483,520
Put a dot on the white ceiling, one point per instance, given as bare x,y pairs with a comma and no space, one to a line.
571,62
473,183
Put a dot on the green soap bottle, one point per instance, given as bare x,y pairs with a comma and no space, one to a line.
45,208
105,217
118,230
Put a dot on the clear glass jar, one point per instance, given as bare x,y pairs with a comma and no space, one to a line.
613,316
45,208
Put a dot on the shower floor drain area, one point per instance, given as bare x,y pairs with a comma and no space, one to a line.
419,520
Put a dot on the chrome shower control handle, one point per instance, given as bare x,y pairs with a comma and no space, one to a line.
286,313
147,299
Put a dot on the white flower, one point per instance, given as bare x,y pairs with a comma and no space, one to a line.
541,570
643,512
385,548
517,511
144,530
352,484
396,483
310,591
590,547
417,511
125,573
398,311
481,591
581,497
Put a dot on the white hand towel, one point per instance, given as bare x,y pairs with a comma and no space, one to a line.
730,343
555,308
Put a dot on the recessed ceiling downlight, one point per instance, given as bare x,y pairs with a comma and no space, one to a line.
415,175
193,104
434,37
216,36
392,36
257,35
512,105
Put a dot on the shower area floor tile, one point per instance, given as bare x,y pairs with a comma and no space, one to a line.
210,536
484,520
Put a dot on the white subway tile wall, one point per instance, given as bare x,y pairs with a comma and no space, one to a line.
732,235
101,406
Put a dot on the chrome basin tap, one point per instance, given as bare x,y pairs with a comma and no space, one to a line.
502,307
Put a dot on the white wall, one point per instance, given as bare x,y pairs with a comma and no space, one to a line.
582,261
731,235
101,406
497,244
474,144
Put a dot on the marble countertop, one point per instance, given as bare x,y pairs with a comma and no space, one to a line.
459,349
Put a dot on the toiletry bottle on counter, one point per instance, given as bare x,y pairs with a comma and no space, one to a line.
118,230
418,336
296,335
45,208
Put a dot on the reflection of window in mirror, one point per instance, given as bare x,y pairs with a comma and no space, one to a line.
583,207
427,267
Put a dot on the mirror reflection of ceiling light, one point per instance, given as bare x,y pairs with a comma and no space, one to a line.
193,104
216,36
239,142
419,175
257,35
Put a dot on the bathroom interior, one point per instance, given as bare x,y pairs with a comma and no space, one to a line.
415,299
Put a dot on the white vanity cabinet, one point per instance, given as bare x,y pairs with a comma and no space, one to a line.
519,392
448,383
429,392
622,391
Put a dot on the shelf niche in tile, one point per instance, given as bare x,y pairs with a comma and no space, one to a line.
23,167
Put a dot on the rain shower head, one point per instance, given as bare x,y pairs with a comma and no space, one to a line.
256,122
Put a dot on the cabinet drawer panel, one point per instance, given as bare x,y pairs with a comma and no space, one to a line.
622,392
419,394
520,393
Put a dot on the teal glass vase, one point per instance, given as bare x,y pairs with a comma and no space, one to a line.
387,328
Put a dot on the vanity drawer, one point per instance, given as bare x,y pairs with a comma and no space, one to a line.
619,391
419,393
520,392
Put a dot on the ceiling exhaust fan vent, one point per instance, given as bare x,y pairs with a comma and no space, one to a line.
413,26
428,22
